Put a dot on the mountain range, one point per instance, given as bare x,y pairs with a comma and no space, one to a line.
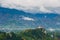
12,18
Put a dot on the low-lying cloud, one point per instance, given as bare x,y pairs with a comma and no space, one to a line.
28,18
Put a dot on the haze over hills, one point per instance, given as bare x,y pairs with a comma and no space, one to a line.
12,18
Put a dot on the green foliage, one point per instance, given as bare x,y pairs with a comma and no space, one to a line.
30,34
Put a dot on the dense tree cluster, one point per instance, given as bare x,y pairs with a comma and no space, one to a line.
31,34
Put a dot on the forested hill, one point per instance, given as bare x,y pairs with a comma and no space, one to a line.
29,34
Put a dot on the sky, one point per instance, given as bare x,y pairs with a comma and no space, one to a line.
32,5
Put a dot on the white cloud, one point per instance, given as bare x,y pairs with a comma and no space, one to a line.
27,18
43,9
51,29
31,5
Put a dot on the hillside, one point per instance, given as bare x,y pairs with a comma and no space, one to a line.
35,34
29,34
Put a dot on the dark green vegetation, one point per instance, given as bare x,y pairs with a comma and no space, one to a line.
30,34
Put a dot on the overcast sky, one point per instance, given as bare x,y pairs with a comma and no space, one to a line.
32,5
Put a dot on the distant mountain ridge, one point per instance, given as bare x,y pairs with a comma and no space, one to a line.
12,18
